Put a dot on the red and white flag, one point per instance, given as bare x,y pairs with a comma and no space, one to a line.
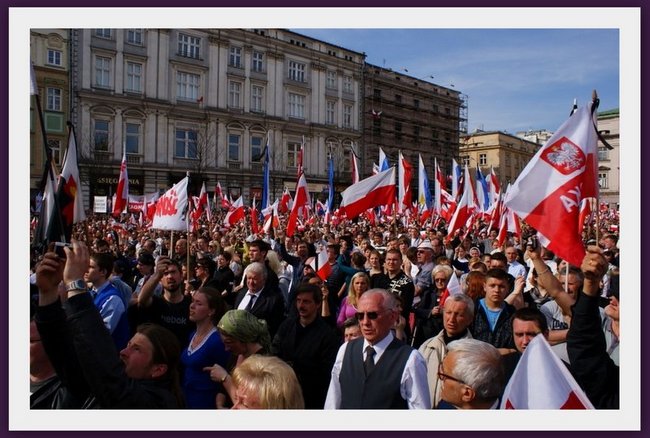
494,186
271,219
285,201
371,192
172,208
548,192
466,206
301,199
585,214
69,193
122,192
404,176
542,381
321,265
204,202
254,218
235,214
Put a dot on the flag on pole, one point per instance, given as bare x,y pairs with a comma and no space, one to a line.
235,214
404,176
456,175
482,193
354,163
464,209
254,218
383,161
69,192
271,219
204,202
548,192
122,192
266,201
585,213
542,381
171,208
301,154
371,192
494,186
330,187
321,265
301,199
424,194
33,87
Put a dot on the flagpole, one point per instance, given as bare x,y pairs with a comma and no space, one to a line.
595,102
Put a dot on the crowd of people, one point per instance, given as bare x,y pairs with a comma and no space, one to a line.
222,318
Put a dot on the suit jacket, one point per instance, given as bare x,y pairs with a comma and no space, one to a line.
268,306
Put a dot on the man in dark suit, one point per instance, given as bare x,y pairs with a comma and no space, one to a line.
260,298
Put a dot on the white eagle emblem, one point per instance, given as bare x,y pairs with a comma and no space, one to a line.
565,156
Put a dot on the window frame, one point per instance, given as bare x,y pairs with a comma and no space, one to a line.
257,61
296,105
135,32
187,142
184,84
231,144
347,116
104,133
257,100
331,80
297,71
128,136
55,54
131,76
330,112
104,33
53,101
234,94
189,46
348,86
104,70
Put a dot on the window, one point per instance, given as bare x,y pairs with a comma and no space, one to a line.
447,111
234,94
482,159
187,86
330,113
185,143
256,147
293,149
188,46
347,159
101,135
416,131
102,72
398,130
133,76
331,80
296,106
258,61
234,60
347,84
398,98
377,93
234,143
257,98
435,108
347,116
55,147
53,57
53,99
416,103
603,180
603,153
103,33
132,138
465,161
296,71
134,36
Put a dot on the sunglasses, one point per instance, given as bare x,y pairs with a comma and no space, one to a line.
442,376
370,315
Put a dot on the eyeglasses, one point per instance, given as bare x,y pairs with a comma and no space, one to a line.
442,280
370,315
442,376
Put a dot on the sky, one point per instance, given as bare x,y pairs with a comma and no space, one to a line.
515,79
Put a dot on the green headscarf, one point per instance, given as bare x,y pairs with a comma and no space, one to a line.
245,327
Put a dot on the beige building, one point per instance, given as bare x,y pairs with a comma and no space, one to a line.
608,160
50,57
207,101
506,153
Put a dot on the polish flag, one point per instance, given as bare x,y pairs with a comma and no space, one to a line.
585,214
371,192
321,265
465,207
285,201
404,175
271,219
453,288
424,194
254,217
548,192
542,381
69,189
494,186
171,208
301,199
122,192
204,202
439,187
235,214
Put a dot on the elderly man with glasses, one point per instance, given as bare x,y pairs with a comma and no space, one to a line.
377,371
472,376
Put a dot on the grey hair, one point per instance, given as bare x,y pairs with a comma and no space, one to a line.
389,302
258,268
462,298
478,364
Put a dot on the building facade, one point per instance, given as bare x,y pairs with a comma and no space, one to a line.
207,101
609,160
506,153
403,113
50,58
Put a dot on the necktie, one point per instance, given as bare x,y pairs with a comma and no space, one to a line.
369,363
249,306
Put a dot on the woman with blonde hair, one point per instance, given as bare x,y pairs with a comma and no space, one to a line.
429,313
358,285
266,382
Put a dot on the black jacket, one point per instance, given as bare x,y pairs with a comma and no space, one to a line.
269,306
85,359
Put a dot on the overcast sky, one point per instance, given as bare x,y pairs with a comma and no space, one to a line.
515,79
